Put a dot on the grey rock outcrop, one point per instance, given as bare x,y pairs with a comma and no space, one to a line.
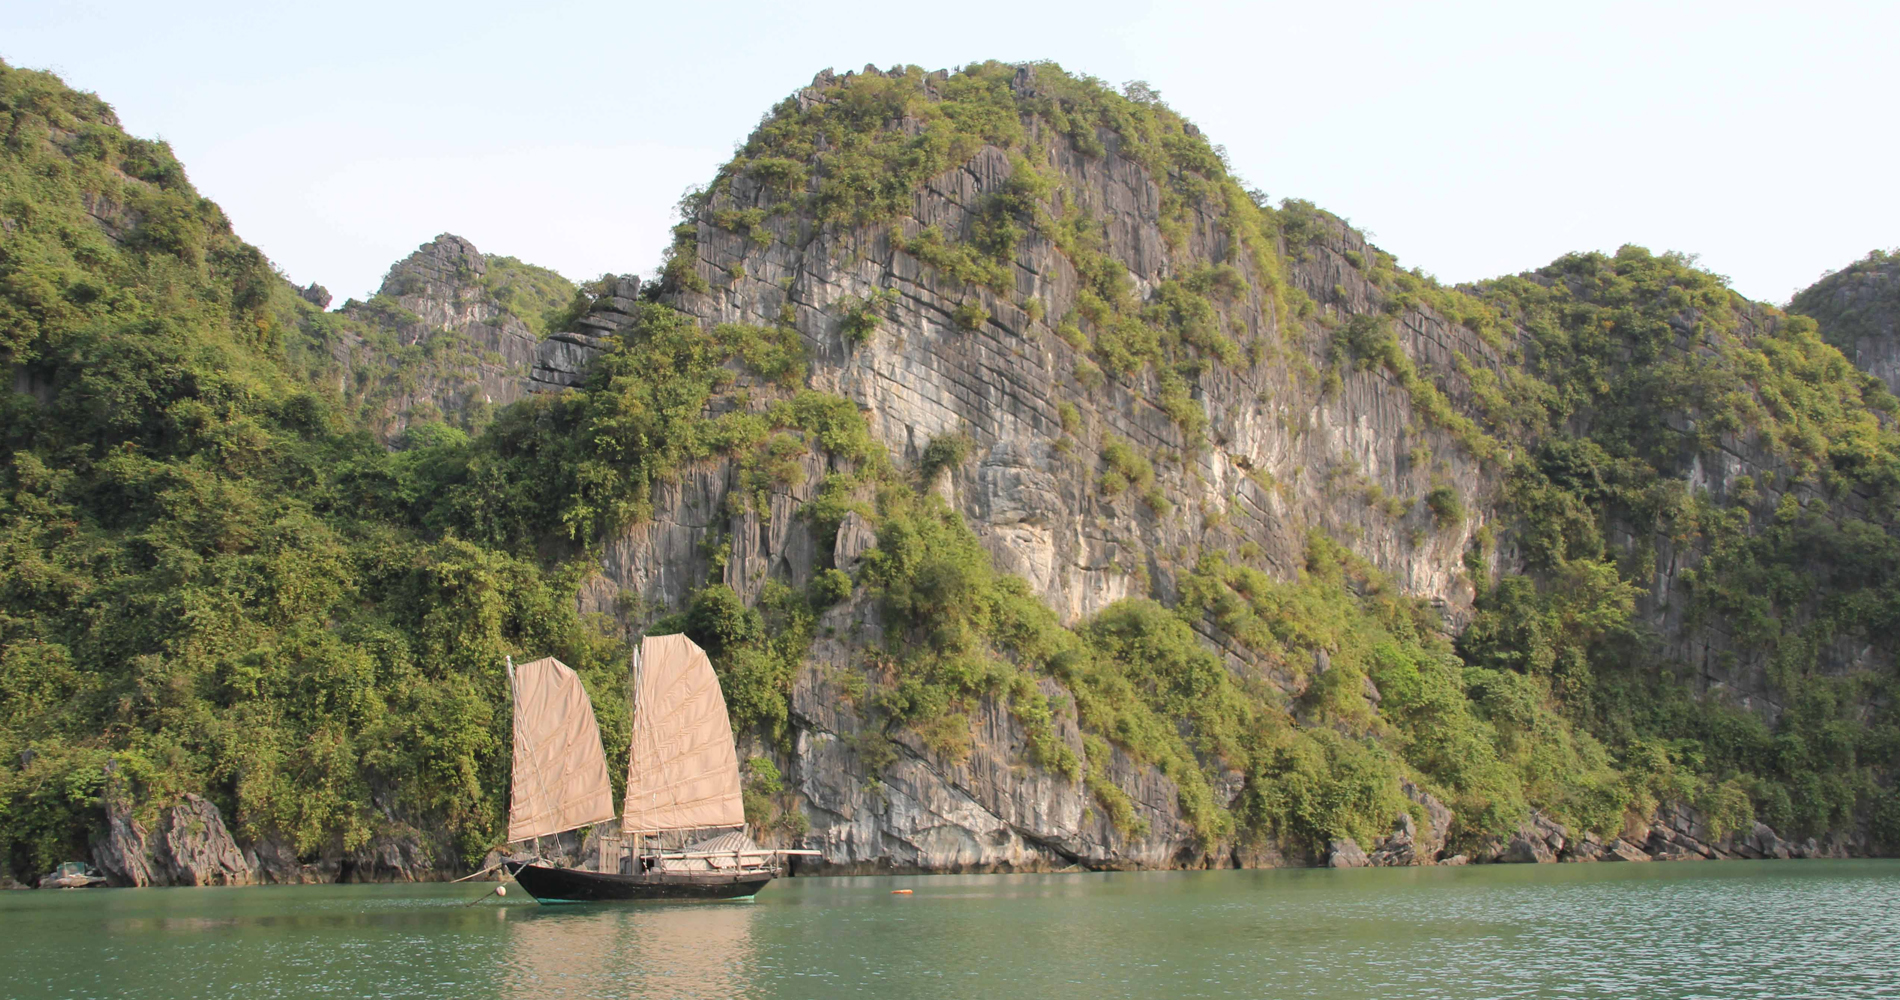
1525,847
1587,847
908,807
1679,832
316,295
1347,854
1409,843
115,219
855,538
189,845
1675,831
276,863
1619,849
1763,842
392,856
195,848
1538,840
562,360
122,849
1401,847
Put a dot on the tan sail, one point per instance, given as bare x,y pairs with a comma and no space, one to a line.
683,773
560,778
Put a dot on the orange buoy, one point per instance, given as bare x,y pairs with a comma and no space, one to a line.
900,892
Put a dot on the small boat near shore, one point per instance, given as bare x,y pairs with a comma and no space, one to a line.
72,875
682,782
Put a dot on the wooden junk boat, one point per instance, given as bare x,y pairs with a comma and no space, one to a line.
682,777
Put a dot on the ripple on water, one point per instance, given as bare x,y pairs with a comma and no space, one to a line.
1733,931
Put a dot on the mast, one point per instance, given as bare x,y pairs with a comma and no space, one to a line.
514,701
629,835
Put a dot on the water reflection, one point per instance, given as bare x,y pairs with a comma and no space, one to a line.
688,951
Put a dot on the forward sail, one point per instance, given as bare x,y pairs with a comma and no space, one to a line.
683,773
560,778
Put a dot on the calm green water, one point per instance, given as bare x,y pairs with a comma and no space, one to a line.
1726,930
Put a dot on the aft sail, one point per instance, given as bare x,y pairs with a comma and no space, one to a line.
560,777
683,773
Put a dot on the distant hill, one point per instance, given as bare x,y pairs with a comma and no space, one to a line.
1858,308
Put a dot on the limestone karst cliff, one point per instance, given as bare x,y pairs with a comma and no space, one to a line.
1287,443
1045,498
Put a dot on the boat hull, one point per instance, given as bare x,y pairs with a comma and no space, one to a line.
572,885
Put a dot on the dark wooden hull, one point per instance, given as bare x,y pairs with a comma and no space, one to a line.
571,885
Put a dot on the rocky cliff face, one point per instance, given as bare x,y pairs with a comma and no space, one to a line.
1282,459
1284,455
444,338
924,376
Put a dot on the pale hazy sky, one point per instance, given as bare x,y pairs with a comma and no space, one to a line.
1472,139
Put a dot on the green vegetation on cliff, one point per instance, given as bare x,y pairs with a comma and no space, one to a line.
538,297
1643,369
209,574
401,373
216,576
852,151
1621,377
212,576
1631,373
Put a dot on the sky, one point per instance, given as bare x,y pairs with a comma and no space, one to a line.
1469,139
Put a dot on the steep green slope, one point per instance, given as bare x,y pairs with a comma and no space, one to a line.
209,575
218,579
1643,371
